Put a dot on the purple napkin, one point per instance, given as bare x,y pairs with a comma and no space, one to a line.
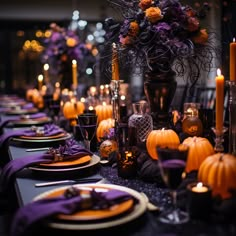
27,106
47,130
16,118
72,201
64,152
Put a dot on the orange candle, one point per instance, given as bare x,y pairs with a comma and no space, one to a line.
40,82
115,66
74,73
232,61
46,76
219,101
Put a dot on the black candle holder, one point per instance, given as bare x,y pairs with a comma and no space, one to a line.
199,202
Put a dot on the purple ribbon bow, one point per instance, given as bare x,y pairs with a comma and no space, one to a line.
72,201
47,130
63,153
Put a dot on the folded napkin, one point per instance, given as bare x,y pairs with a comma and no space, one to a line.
62,153
27,106
46,131
72,201
22,117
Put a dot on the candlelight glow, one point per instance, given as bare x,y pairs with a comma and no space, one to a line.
40,78
74,62
199,185
46,67
218,72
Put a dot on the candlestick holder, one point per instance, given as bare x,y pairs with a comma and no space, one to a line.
232,116
115,99
219,139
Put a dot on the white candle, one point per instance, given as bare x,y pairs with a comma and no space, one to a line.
74,73
200,188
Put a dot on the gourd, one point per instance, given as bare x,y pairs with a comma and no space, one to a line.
103,112
219,172
103,128
162,137
72,109
199,149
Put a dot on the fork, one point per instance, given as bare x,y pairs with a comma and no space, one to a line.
70,181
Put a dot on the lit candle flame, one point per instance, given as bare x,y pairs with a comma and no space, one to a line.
218,72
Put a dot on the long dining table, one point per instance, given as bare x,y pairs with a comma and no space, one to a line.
24,190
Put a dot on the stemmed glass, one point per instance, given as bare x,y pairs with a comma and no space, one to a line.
172,162
88,126
55,108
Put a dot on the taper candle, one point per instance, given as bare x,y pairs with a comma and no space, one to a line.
115,66
232,61
74,73
46,75
40,82
219,101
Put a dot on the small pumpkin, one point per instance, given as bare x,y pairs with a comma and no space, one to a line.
72,109
162,137
107,147
103,112
103,128
199,149
219,172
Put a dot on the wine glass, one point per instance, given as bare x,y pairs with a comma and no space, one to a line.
172,162
55,108
88,126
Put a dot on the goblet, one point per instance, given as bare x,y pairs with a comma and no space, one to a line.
172,162
55,108
88,126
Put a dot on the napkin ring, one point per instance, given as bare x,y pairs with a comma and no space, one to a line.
56,155
39,132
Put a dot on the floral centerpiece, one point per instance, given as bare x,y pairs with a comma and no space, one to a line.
60,48
165,38
162,35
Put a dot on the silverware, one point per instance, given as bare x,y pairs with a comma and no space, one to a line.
37,149
69,181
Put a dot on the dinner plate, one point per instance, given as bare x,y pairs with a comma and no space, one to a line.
70,163
66,169
37,121
59,135
21,111
86,220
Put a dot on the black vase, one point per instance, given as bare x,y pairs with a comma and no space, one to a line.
160,90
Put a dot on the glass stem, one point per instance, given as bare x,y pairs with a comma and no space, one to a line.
87,144
174,199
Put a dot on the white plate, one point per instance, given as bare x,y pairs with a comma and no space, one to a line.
94,161
138,210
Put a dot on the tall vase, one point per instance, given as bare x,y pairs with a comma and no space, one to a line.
160,90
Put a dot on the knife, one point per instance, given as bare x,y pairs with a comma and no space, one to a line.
69,181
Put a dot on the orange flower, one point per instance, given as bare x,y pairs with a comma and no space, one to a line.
144,4
133,29
153,14
71,42
201,37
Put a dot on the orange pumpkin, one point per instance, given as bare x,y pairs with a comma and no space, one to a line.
72,109
219,172
199,149
103,128
103,112
166,138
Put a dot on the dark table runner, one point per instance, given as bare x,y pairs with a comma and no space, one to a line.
146,225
